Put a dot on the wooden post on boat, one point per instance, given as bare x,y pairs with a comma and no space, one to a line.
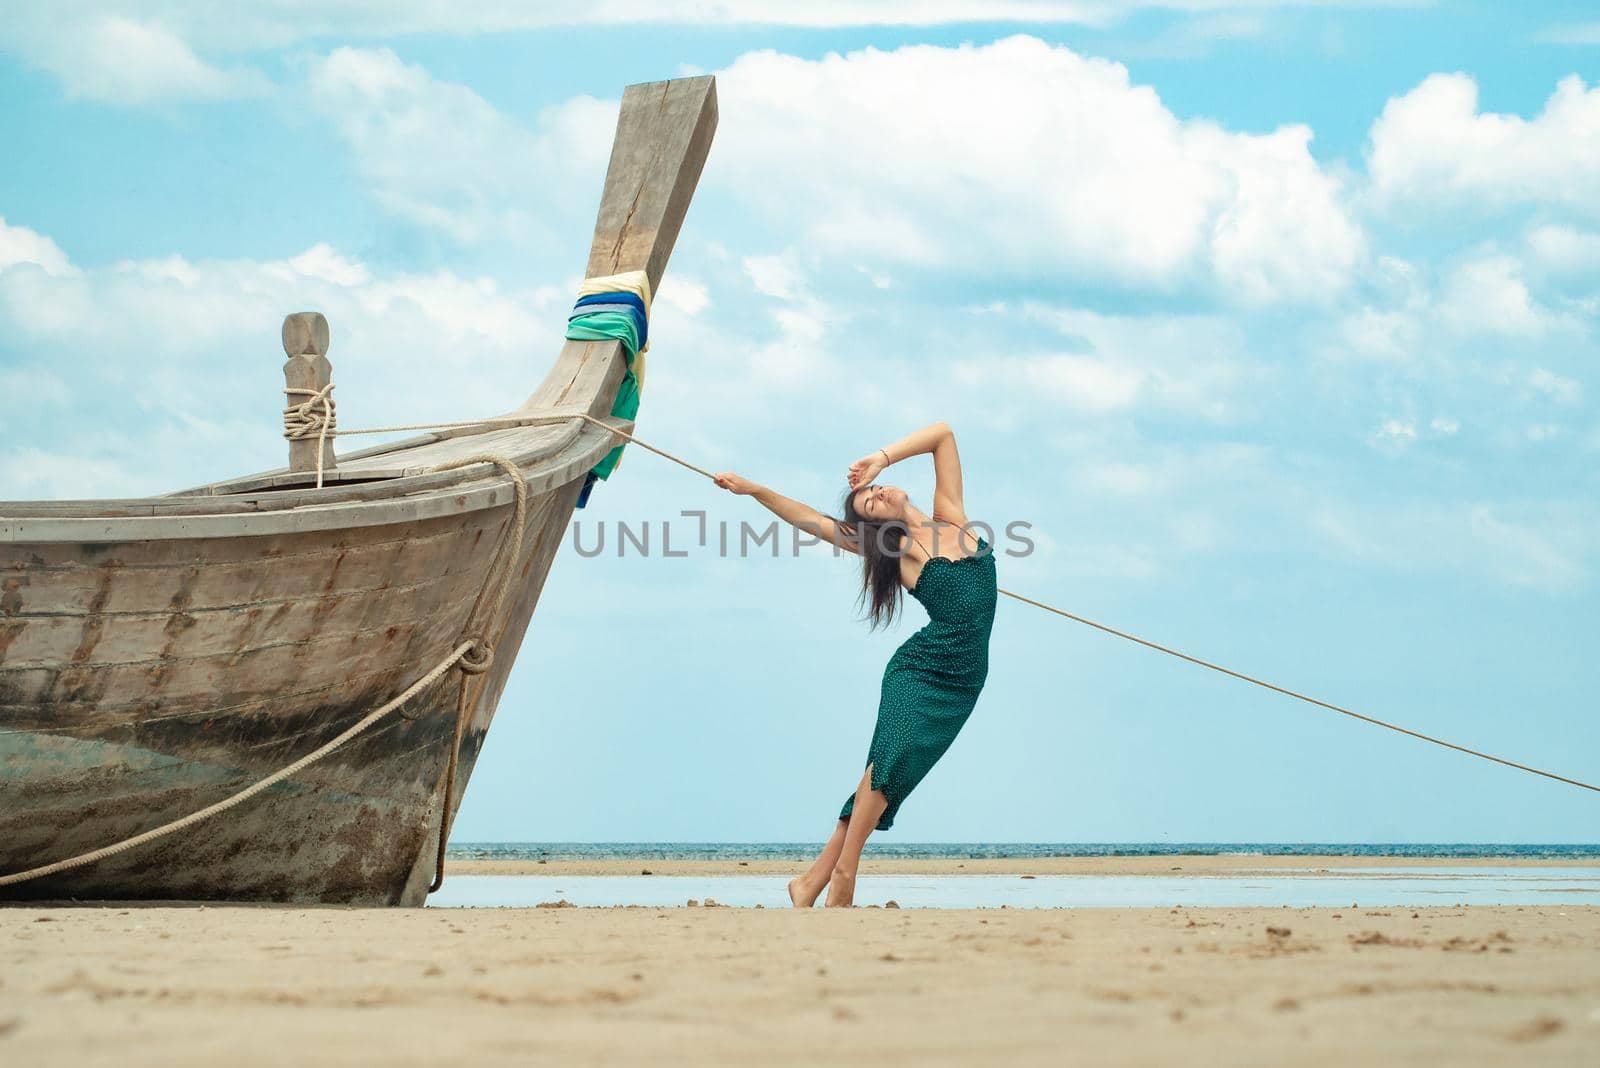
305,341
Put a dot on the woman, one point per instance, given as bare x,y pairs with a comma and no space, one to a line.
933,679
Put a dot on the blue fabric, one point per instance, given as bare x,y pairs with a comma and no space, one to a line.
594,300
611,315
641,325
588,484
587,309
613,298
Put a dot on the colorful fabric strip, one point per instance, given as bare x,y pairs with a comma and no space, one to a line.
590,313
615,308
613,298
635,282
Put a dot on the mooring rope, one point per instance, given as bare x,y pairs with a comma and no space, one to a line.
1274,687
472,656
511,553
475,654
254,788
317,416
1218,667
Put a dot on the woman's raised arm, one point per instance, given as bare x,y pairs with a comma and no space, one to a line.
940,440
789,510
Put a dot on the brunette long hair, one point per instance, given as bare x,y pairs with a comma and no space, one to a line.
881,545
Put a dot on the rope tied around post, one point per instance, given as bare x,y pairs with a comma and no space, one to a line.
314,416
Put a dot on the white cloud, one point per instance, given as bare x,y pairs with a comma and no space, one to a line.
1166,474
774,276
32,386
1079,382
1195,37
1433,319
1193,364
54,31
20,245
1545,547
1575,33
321,261
1558,388
1432,148
1009,161
1017,159
207,405
1488,295
438,154
31,473
1387,335
123,59
685,294
733,355
878,279
133,52
1563,249
1397,432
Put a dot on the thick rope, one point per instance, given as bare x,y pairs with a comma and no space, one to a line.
314,415
478,623
250,791
475,655
1162,648
472,656
1302,697
1224,670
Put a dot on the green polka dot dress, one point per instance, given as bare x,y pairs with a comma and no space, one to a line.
933,680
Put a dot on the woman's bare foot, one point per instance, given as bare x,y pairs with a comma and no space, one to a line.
801,895
842,889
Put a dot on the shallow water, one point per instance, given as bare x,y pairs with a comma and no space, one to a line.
804,851
1368,888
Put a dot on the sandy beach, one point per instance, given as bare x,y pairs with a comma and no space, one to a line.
262,985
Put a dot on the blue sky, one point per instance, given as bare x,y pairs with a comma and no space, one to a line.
1277,322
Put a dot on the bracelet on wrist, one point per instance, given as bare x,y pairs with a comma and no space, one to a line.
886,461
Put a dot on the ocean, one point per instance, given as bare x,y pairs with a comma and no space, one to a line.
1002,850
1522,884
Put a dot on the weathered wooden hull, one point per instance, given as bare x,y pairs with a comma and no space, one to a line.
141,681
158,655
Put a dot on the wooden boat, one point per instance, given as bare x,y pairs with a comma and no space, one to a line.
158,655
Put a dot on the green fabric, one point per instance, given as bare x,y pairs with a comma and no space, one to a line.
933,679
604,326
612,326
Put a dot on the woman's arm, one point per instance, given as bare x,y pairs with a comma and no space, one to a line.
938,439
789,510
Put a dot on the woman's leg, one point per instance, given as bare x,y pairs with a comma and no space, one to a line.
803,890
864,816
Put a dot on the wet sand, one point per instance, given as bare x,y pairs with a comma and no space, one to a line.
722,986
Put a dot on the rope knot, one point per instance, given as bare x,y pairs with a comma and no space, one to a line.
312,417
476,661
